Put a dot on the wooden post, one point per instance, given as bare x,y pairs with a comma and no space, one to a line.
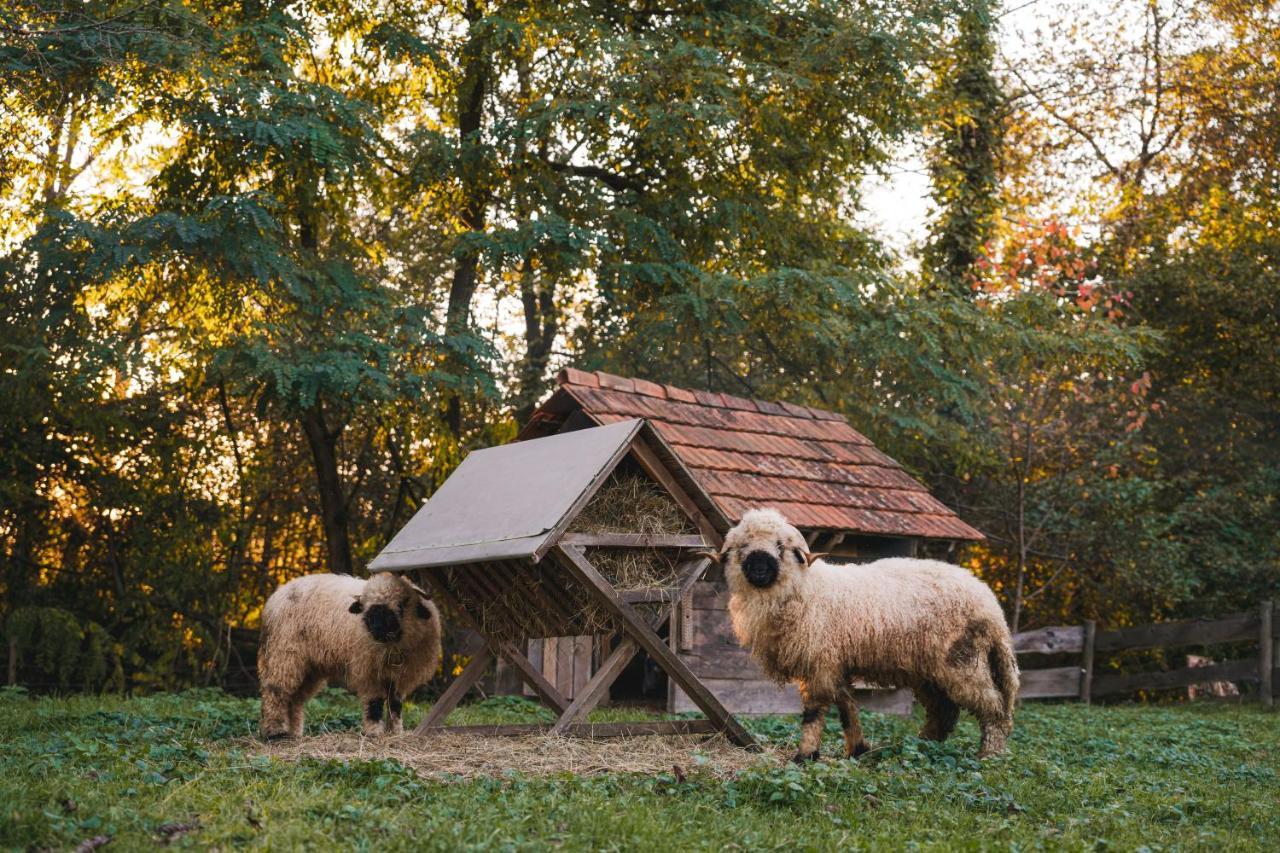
1086,662
13,662
1265,652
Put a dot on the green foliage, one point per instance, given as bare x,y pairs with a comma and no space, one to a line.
54,650
1076,777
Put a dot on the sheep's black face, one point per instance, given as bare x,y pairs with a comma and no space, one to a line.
383,624
760,568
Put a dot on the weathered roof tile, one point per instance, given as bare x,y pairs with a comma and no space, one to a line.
574,376
649,389
684,395
618,383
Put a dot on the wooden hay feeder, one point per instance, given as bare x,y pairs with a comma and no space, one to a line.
592,532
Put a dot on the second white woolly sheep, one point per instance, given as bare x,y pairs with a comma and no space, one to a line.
900,622
380,637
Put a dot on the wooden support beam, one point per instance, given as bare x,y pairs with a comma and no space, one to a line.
647,596
635,540
1086,662
600,589
690,573
596,689
1265,652
681,632
588,730
454,693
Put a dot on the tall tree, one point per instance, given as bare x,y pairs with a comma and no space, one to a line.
966,138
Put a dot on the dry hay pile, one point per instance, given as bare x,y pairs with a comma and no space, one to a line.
471,756
629,502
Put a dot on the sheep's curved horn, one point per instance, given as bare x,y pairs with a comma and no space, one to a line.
710,555
419,590
810,557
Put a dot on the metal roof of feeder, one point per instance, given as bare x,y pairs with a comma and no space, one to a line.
513,501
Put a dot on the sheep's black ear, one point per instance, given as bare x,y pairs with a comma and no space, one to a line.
424,612
356,607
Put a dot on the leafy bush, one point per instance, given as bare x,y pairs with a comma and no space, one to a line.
54,648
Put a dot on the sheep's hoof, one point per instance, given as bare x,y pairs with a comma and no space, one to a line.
804,757
859,749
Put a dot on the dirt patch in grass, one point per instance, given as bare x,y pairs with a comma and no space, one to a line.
471,756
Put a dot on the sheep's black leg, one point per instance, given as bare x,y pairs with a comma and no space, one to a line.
373,716
811,723
854,742
940,713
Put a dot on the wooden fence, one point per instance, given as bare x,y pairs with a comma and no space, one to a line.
1081,682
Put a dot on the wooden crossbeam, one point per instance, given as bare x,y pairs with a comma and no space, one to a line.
454,693
635,540
572,558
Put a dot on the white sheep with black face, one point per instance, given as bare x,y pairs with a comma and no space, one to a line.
380,637
900,622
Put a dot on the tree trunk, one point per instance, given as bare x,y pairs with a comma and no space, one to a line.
1022,557
466,272
333,505
540,328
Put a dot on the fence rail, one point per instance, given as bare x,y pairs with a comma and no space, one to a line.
1258,625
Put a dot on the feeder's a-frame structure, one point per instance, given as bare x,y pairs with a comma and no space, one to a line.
496,543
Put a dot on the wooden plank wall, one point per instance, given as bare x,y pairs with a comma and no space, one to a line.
567,662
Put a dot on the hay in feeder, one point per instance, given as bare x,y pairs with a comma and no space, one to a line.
630,569
629,502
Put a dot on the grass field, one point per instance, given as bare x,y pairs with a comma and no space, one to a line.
181,769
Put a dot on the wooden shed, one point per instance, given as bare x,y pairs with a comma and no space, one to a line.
592,533
847,497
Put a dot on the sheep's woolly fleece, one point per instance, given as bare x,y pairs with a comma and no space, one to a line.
472,756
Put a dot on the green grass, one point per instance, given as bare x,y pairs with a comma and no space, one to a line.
1198,777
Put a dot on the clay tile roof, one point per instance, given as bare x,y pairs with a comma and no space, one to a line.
808,463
